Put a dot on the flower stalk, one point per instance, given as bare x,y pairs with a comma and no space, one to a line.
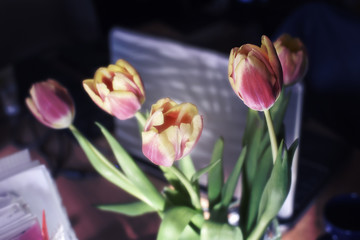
195,199
258,231
141,119
273,141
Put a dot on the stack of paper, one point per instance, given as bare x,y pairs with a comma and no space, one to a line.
26,191
16,219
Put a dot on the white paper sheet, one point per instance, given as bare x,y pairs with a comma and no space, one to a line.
32,182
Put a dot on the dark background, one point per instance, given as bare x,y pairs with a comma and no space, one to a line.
67,40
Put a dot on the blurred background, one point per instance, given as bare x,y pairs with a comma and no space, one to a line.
68,40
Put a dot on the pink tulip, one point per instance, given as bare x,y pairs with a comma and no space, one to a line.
171,131
117,89
255,74
293,58
51,104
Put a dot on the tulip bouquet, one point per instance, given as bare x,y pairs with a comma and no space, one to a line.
170,130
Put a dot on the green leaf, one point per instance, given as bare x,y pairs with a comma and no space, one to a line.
253,153
272,198
263,172
233,180
106,168
192,230
255,150
216,175
191,189
171,177
278,110
129,209
219,213
252,123
178,195
257,146
291,151
174,222
186,165
276,190
133,171
204,170
218,231
175,197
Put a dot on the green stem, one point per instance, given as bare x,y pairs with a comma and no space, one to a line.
108,171
195,199
273,141
258,232
141,119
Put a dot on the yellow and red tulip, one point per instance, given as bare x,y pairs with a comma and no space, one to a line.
293,58
171,131
255,74
117,89
51,104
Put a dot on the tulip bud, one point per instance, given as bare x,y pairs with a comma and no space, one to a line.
51,104
171,131
117,89
255,74
293,58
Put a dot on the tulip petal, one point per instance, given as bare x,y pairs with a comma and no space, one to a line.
129,68
157,148
247,48
191,134
102,74
288,64
231,66
171,138
117,89
255,84
255,74
273,58
90,88
184,112
123,104
171,131
156,119
164,104
103,77
293,58
116,68
121,81
31,105
52,103
103,88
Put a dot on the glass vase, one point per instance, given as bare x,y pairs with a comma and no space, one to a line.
273,231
